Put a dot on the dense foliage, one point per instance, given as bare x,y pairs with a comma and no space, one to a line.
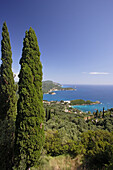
29,123
7,103
98,149
69,133
7,85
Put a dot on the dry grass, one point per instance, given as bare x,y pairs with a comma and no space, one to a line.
62,162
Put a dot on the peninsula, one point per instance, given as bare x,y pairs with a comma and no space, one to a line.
83,102
49,87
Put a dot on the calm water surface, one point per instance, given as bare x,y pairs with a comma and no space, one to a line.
102,93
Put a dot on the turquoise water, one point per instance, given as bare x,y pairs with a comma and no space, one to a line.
104,94
91,108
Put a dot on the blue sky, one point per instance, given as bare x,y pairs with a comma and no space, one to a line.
75,37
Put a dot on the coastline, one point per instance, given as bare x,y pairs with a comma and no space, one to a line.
102,93
51,91
94,103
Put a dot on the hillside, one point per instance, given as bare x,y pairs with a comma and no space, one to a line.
74,142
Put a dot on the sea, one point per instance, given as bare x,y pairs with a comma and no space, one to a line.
102,93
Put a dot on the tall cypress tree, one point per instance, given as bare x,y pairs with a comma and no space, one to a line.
37,66
7,102
7,85
32,57
29,128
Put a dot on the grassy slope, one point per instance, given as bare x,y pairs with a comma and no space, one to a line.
62,162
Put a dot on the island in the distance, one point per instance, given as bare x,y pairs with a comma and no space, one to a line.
49,87
83,102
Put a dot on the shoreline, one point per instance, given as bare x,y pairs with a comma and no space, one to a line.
103,94
69,101
86,104
63,89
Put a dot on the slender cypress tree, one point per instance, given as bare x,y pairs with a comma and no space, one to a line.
46,114
7,85
33,60
49,114
7,102
29,128
103,113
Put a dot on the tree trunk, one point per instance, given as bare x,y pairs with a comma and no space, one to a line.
27,168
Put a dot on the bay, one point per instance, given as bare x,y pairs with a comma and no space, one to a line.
102,93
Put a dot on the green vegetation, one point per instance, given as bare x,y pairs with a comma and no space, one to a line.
83,102
7,103
69,133
29,122
7,85
29,135
97,148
